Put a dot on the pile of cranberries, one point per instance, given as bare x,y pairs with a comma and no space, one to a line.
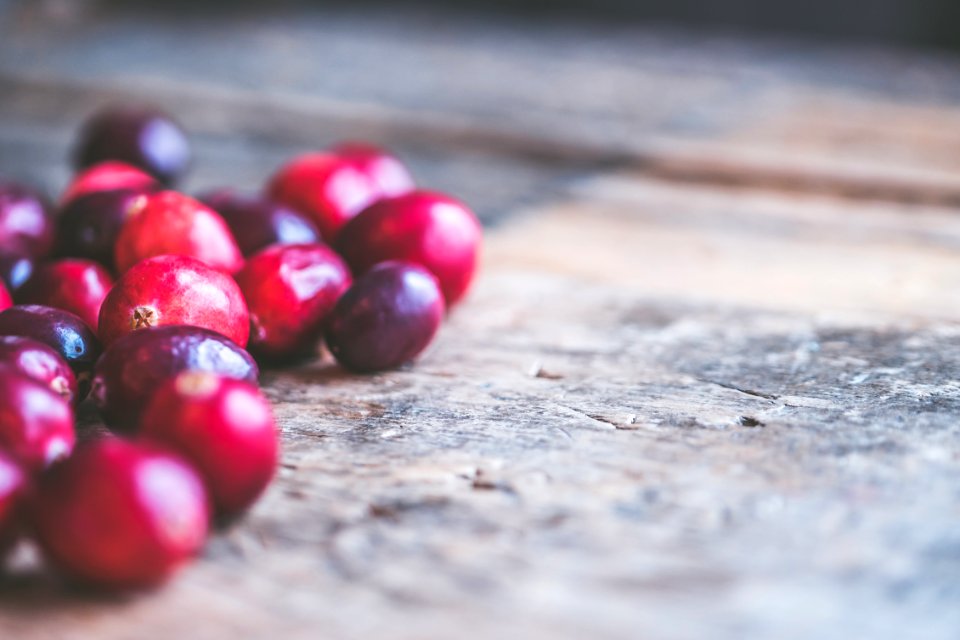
145,300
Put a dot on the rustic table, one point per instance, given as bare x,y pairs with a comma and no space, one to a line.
706,387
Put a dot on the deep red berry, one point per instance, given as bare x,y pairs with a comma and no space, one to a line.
61,330
36,424
5,300
224,427
427,228
120,515
108,176
257,222
15,269
386,318
327,188
13,489
89,224
74,285
290,290
137,135
170,223
134,366
386,171
174,290
41,363
26,226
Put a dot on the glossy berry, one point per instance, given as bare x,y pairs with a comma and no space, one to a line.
174,290
13,490
257,222
26,226
427,228
40,363
15,269
386,318
134,366
74,285
61,330
170,223
327,188
120,515
89,224
36,424
391,176
137,135
290,290
224,427
108,176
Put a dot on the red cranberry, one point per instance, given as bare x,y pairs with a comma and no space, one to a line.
134,366
37,424
61,330
429,229
257,222
386,318
137,135
290,290
26,226
326,187
108,176
224,427
89,224
174,290
39,362
77,286
13,489
120,514
383,168
6,301
171,223
15,269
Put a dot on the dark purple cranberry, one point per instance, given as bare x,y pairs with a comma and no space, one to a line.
63,331
15,269
26,226
36,427
386,318
257,222
39,362
138,135
89,224
136,364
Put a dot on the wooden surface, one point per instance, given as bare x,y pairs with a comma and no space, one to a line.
706,387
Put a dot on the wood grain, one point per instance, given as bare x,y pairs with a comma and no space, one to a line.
707,385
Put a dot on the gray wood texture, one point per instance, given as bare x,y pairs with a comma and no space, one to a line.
706,386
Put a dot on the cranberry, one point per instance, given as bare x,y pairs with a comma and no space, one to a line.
429,229
326,187
134,366
39,362
290,290
137,135
386,318
61,330
26,226
37,424
6,301
174,290
13,488
120,514
385,170
108,176
172,223
15,269
89,224
258,222
224,427
77,286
